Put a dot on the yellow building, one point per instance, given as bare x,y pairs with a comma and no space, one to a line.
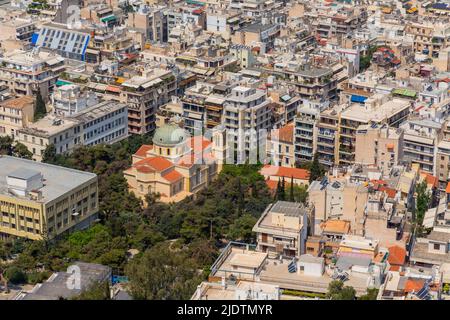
175,166
39,200
16,114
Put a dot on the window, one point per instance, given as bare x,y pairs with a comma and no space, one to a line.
436,246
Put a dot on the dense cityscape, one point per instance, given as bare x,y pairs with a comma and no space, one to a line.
224,150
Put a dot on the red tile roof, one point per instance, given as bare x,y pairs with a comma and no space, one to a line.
269,170
447,190
397,255
389,191
271,184
153,164
414,285
284,134
430,179
197,141
142,151
172,176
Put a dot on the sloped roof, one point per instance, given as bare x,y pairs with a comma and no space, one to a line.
269,170
397,255
152,164
142,151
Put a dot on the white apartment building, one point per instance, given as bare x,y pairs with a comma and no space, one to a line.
26,72
420,142
69,99
246,112
106,122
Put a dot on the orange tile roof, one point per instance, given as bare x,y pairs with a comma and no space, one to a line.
397,255
271,184
447,190
336,226
430,179
153,164
142,151
204,143
172,176
389,191
269,170
284,134
414,285
18,103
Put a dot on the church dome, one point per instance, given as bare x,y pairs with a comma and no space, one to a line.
169,135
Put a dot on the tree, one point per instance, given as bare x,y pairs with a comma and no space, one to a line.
39,107
282,190
160,274
337,291
21,151
316,170
423,201
97,291
370,295
15,275
49,155
241,229
6,145
291,193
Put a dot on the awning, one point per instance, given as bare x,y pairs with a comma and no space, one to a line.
54,61
60,83
92,51
358,99
113,88
404,92
151,83
108,18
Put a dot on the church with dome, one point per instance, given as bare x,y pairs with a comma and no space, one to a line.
176,165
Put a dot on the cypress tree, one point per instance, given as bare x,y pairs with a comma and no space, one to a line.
39,107
291,196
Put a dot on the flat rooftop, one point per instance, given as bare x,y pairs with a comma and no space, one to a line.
364,113
57,180
276,272
49,126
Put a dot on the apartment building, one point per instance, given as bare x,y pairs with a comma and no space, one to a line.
327,137
70,99
280,146
40,200
26,72
338,21
429,38
144,95
338,199
282,229
376,110
152,22
443,164
420,142
432,250
64,134
223,22
17,30
68,43
105,122
306,130
15,114
246,112
312,82
194,106
257,34
379,145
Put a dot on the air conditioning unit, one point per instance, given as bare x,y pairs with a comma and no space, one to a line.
74,212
